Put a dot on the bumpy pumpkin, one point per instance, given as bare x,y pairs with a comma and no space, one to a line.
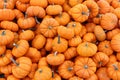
118,56
112,59
84,67
42,62
79,12
2,49
93,77
24,1
60,2
18,14
89,37
74,2
48,45
12,77
90,27
75,78
6,69
86,49
55,76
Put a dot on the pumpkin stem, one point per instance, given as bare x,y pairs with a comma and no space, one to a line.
60,15
5,1
106,46
40,70
74,25
26,15
53,74
100,63
58,39
36,19
84,13
17,64
14,44
86,44
2,55
115,67
49,27
23,30
86,66
55,54
3,33
4,6
70,68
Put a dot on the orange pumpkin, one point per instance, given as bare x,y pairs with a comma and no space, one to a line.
18,14
12,77
55,76
89,37
112,59
59,2
42,62
6,69
115,3
118,56
90,27
48,45
24,1
2,49
74,2
83,31
93,77
75,78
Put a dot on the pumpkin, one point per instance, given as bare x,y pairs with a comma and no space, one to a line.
90,27
6,69
75,41
65,32
111,33
26,78
70,53
39,41
6,36
43,73
86,49
18,14
93,9
9,25
35,11
115,3
9,4
55,76
26,35
99,33
79,12
63,18
2,49
105,47
66,6
97,19
74,2
33,69
24,1
53,9
89,37
115,42
102,74
22,6
59,44
83,31
55,58
66,70
112,59
116,12
48,27
21,67
11,77
26,22
76,26
42,62
20,48
108,21
118,56
60,2
104,6
113,71
43,52
41,3
84,67
101,59
48,45
93,77
33,54
75,78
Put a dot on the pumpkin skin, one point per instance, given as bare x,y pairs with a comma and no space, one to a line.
39,39
55,58
6,69
59,44
101,59
116,12
48,46
97,19
94,9
89,37
105,47
99,33
84,67
60,2
90,27
41,3
115,4
93,77
48,27
24,35
24,1
11,77
55,76
42,62
118,56
86,49
2,49
43,52
65,70
76,26
102,74
21,67
18,14
6,36
63,18
75,78
43,73
108,21
65,32
35,11
115,42
66,6
79,12
53,9
113,71
104,6
74,2
112,59
25,23
9,25
70,53
83,31
20,49
112,33
33,54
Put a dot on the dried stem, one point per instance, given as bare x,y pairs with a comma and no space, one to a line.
86,66
36,19
17,64
55,53
70,68
3,33
14,44
58,39
115,67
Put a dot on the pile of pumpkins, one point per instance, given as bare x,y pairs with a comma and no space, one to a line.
59,39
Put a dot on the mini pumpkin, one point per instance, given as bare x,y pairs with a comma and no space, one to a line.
42,62
93,77
24,1
12,77
66,70
21,67
2,49
74,2
83,31
18,14
66,6
118,56
90,27
60,2
116,12
112,59
20,48
79,12
48,45
89,37
86,49
55,58
75,78
115,3
84,67
43,73
6,69
55,76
